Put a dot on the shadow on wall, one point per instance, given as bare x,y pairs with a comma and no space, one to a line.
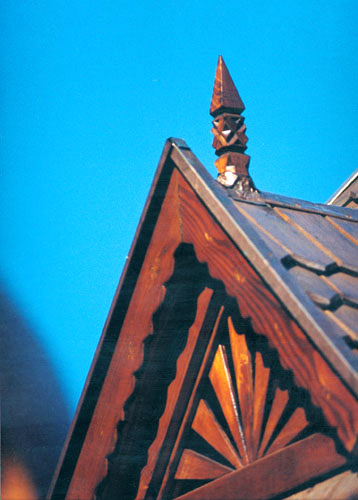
34,418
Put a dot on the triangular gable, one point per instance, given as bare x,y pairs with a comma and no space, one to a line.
193,252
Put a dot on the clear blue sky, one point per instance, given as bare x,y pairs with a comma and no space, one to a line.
90,91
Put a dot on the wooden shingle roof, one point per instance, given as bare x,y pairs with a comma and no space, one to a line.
306,252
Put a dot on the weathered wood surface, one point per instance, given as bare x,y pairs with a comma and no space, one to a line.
128,355
255,301
317,288
316,229
285,235
348,229
280,200
192,399
237,400
345,285
225,94
195,466
207,313
343,486
323,332
275,473
349,316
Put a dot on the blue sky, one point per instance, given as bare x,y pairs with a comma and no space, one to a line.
90,92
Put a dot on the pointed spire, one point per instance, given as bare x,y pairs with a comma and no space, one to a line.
229,133
225,95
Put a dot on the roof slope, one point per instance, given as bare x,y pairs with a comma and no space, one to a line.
306,252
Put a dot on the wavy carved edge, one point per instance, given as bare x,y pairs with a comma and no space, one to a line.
116,436
141,369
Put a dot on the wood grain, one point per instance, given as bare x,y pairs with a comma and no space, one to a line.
196,466
262,376
127,357
319,231
296,423
243,371
278,406
190,407
207,426
268,316
222,383
274,474
206,314
285,235
184,219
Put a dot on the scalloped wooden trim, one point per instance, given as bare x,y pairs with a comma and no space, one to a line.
119,383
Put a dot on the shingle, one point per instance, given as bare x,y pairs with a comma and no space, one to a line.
346,285
349,317
285,235
316,288
347,228
324,236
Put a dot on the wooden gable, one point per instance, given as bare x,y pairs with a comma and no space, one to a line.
227,367
216,375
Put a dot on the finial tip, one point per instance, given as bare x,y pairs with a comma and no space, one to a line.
225,95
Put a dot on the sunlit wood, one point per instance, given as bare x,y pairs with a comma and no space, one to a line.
220,378
278,406
206,425
296,423
243,372
196,466
208,350
262,376
274,474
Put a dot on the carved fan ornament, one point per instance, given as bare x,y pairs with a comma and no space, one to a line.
233,404
248,415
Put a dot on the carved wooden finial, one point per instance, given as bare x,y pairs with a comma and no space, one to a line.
225,95
229,132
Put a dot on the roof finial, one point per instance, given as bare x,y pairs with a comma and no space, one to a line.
229,132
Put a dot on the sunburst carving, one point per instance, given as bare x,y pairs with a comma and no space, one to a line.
252,416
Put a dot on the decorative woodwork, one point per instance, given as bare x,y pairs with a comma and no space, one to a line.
246,408
191,265
229,132
157,266
175,328
268,316
270,476
222,401
204,386
184,401
225,95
